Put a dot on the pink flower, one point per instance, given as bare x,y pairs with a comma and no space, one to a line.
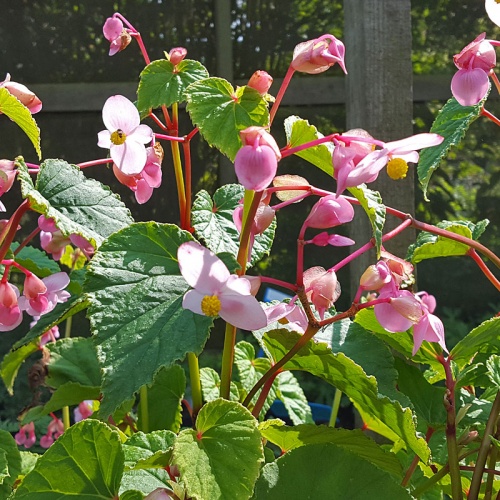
7,177
176,55
330,211
261,81
215,291
322,288
84,410
335,240
26,436
116,34
470,83
23,94
125,136
351,174
316,56
54,430
49,336
376,276
257,161
161,494
44,302
10,312
142,184
293,314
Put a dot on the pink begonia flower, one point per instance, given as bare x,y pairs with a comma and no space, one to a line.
45,302
349,174
256,161
125,136
401,270
216,292
161,494
11,314
376,276
293,315
84,410
330,211
335,240
322,288
176,55
143,183
316,56
470,83
430,327
54,430
26,436
23,94
493,10
261,81
116,34
49,336
7,177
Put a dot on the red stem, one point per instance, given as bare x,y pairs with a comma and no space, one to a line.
484,268
263,395
10,229
281,93
27,240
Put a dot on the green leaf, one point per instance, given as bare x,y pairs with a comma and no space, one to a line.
485,339
371,201
77,204
28,461
393,421
213,223
146,451
132,495
294,399
136,311
162,83
11,464
13,361
220,112
86,462
331,472
36,261
220,458
144,480
20,114
298,132
493,365
164,400
289,438
452,123
430,246
210,385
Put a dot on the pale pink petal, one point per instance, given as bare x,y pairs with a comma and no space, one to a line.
56,282
429,328
410,144
142,134
143,191
201,268
368,168
112,28
409,157
238,285
192,301
130,157
278,311
336,240
469,86
104,139
390,319
119,113
493,11
152,174
115,47
242,311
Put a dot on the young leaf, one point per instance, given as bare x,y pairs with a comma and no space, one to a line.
20,114
298,132
136,312
162,83
452,123
220,112
213,223
353,477
221,458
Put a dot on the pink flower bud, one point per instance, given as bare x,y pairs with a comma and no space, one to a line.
176,55
7,175
8,296
116,34
253,136
478,54
330,211
23,94
375,276
316,56
33,287
261,81
335,240
323,288
26,440
255,167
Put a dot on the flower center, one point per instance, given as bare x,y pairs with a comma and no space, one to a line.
397,169
118,137
210,305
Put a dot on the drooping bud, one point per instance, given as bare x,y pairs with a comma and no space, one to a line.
116,34
375,276
259,135
316,56
7,175
23,94
8,297
176,55
335,240
330,211
261,81
33,286
255,167
323,288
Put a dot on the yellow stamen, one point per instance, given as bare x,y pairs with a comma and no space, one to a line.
210,305
118,137
397,169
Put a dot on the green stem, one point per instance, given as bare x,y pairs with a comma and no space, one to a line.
250,205
227,361
143,391
335,408
488,491
194,376
65,409
179,179
484,449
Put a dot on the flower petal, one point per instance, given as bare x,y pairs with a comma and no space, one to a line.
56,282
142,134
104,139
242,311
130,157
469,86
120,113
192,301
410,144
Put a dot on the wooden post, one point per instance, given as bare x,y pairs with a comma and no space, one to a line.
379,99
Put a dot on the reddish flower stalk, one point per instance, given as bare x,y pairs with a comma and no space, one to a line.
484,268
281,93
9,231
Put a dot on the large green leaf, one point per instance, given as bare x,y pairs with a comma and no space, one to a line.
294,399
452,123
162,83
77,204
393,421
213,223
13,361
430,246
371,201
355,441
86,462
164,400
145,451
10,463
20,114
221,458
136,312
298,132
220,112
326,471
